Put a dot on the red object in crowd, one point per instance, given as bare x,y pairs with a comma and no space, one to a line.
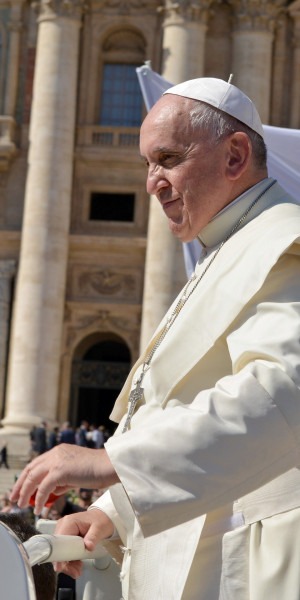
49,502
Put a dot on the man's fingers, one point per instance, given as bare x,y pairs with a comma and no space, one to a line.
34,480
67,525
100,529
73,568
24,487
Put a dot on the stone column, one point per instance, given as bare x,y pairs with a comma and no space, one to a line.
35,346
294,10
15,26
7,120
252,49
7,271
184,29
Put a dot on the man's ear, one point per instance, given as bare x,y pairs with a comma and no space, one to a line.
239,154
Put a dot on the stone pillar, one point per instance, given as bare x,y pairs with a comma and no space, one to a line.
252,49
7,120
294,10
7,271
184,32
15,26
35,345
184,28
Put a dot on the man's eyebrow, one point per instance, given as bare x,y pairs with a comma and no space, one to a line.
162,150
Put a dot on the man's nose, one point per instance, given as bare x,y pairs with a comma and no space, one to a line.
156,180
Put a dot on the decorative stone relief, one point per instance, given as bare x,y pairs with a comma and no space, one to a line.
257,15
106,283
124,7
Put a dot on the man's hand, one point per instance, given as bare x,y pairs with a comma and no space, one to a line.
93,525
63,467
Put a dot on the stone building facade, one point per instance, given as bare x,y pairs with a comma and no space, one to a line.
87,264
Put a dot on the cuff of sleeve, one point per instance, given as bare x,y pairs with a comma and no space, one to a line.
107,506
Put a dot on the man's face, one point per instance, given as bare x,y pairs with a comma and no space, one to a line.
185,170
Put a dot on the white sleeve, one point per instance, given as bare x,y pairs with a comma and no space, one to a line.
183,460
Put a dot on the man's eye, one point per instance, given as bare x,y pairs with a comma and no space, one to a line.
168,159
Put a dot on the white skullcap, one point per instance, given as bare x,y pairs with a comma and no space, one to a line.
221,95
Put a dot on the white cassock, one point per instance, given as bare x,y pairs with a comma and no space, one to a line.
208,507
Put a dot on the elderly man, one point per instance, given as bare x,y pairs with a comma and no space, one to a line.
204,485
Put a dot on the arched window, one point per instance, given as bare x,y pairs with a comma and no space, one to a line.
121,103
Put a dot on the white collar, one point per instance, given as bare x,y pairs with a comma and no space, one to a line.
222,223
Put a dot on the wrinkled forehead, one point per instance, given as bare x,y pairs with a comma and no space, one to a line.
169,117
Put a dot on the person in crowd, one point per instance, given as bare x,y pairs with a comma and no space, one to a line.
203,467
83,434
5,503
3,456
85,498
67,434
39,438
97,436
53,438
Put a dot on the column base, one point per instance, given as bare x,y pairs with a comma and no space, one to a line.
18,445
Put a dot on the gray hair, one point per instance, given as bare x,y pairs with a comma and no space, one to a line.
218,124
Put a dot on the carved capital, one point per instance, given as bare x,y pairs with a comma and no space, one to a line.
49,9
256,15
189,10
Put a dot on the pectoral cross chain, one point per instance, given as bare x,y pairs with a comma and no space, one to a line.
134,398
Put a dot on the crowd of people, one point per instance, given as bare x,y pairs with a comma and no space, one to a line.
42,439
87,435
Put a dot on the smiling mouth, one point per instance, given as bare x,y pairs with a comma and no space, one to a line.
171,208
166,204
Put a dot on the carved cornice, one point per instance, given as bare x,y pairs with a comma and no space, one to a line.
49,9
190,10
256,15
125,7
